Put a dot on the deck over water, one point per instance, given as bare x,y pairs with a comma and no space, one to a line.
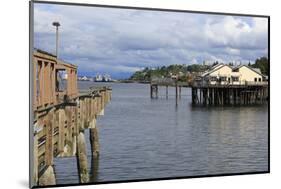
214,94
57,128
60,117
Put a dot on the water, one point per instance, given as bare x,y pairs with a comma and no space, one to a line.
142,138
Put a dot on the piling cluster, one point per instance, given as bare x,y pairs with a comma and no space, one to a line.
209,94
59,132
229,95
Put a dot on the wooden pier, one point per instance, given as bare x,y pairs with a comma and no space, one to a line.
61,117
210,94
166,82
229,94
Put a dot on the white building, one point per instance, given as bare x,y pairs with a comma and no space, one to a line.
222,74
98,77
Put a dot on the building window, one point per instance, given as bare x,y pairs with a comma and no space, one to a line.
223,78
259,79
213,79
235,79
256,79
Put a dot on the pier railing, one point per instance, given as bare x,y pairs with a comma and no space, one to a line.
226,85
60,117
47,70
58,132
168,82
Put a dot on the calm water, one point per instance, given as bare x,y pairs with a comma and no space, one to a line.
142,138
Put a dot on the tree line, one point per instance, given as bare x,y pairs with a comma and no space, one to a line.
182,70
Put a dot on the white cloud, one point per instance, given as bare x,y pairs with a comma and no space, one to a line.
119,40
235,33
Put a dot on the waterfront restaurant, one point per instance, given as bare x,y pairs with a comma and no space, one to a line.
222,74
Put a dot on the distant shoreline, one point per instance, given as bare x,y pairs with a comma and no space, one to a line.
118,81
132,81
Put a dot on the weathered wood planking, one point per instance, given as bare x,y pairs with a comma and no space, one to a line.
56,129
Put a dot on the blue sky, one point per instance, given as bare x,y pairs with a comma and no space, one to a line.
120,41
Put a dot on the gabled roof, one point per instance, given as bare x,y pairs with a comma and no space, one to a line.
215,68
256,70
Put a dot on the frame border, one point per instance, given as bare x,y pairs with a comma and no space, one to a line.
31,46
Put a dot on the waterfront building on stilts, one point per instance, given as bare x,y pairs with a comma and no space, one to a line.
220,85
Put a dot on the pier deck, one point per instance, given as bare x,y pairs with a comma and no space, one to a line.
215,94
60,116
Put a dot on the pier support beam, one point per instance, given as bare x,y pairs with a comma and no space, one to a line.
166,91
153,91
35,157
61,122
94,168
176,93
94,139
82,158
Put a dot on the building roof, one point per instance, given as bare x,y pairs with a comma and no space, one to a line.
215,68
218,66
257,70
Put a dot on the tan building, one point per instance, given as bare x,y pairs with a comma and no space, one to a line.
222,74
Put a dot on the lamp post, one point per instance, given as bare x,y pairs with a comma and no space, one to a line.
57,24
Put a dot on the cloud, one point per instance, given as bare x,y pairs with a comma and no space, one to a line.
121,41
236,33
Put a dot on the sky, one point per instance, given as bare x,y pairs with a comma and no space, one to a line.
121,41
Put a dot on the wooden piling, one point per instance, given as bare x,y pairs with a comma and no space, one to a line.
35,157
82,159
166,91
176,88
94,141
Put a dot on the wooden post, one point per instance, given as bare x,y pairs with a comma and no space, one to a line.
61,130
192,96
213,96
176,93
222,93
94,168
156,91
200,100
208,97
35,157
49,139
48,177
94,141
166,91
151,92
82,158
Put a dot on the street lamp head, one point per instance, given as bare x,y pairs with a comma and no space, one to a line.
57,24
